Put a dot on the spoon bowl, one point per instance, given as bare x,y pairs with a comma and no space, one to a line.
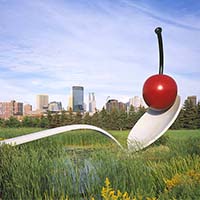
152,125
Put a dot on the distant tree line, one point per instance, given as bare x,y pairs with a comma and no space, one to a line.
189,118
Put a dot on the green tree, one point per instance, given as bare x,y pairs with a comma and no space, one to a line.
2,121
190,115
12,122
139,113
43,122
104,117
179,122
131,118
54,120
87,118
95,119
70,117
122,120
57,119
63,118
27,121
35,121
49,119
114,119
78,118
198,115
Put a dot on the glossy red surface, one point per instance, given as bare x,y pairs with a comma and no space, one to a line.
159,91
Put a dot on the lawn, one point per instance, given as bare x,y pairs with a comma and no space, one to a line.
183,134
88,137
75,165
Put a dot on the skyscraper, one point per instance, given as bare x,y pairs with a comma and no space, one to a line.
78,98
113,104
136,102
70,103
42,100
12,108
55,106
27,109
17,108
92,103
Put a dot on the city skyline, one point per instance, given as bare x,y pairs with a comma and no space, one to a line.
19,109
109,47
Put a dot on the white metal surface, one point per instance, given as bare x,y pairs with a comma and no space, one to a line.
54,131
151,126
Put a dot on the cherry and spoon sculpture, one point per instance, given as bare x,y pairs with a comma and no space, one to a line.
160,94
160,91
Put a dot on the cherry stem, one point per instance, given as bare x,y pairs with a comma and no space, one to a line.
158,31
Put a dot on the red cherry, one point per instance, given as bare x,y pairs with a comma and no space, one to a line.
159,92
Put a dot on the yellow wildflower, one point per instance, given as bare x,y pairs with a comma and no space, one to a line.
108,193
170,183
194,175
153,198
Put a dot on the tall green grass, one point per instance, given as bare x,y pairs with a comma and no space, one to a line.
183,134
14,132
49,169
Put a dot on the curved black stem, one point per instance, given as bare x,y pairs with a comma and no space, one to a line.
158,31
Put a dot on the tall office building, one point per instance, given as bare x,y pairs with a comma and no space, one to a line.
92,103
17,108
136,102
78,98
12,108
27,109
193,99
70,103
42,101
113,104
5,110
55,106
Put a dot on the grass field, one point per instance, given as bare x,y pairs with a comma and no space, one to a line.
93,137
75,165
183,134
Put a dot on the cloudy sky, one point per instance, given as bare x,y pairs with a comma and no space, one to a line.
107,46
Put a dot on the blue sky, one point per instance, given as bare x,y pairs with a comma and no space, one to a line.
107,46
